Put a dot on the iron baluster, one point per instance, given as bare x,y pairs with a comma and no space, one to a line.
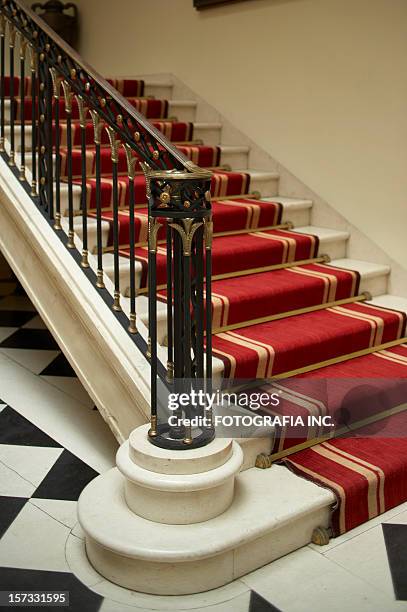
131,171
34,127
42,139
2,78
98,126
23,49
83,110
56,87
177,191
48,141
170,331
68,95
12,40
114,145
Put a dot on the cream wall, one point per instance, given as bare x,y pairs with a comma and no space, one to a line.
321,85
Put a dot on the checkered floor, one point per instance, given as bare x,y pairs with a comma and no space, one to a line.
53,442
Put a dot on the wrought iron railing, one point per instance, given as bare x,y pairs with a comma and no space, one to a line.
178,193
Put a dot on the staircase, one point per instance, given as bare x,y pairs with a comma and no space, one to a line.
287,303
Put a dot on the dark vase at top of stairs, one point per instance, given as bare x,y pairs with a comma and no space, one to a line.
53,13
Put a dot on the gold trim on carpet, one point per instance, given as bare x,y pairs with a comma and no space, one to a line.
337,433
292,313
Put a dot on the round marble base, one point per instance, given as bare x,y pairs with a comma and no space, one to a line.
273,513
189,461
177,496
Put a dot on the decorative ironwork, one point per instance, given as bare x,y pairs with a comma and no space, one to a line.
64,89
181,200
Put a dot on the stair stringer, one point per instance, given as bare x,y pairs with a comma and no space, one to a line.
108,363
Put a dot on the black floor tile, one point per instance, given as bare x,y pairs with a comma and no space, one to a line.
66,479
40,339
395,537
15,429
15,318
9,508
60,366
81,599
259,604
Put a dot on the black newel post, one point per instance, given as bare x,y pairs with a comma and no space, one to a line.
180,229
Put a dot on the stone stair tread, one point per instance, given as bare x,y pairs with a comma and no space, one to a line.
257,175
234,148
393,302
367,269
325,234
203,125
183,103
290,203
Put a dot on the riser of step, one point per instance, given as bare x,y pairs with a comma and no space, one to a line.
161,91
331,242
296,210
374,277
183,110
208,133
266,183
235,157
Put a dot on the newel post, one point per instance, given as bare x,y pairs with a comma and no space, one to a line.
179,272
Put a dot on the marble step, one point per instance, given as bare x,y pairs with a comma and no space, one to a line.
208,133
162,90
374,277
266,183
293,210
234,156
183,110
394,302
160,558
331,242
296,210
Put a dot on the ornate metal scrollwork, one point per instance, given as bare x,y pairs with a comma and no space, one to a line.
178,193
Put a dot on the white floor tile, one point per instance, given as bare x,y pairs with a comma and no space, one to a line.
305,581
31,462
82,431
217,599
365,556
12,485
34,541
5,332
237,604
400,518
360,529
111,606
72,387
61,510
78,531
33,360
2,406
